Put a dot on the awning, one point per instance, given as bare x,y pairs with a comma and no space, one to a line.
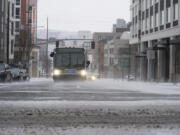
162,42
166,42
175,42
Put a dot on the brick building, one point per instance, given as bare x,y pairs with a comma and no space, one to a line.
26,30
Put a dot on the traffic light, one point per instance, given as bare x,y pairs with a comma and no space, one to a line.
92,45
57,44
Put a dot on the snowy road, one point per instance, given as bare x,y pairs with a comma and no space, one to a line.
104,107
103,90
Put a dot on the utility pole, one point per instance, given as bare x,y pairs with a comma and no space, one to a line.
47,61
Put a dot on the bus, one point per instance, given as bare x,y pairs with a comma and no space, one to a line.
69,63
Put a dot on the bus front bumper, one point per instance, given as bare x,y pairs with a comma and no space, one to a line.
60,75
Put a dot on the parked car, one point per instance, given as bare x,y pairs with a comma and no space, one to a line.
15,70
24,74
19,73
5,73
131,77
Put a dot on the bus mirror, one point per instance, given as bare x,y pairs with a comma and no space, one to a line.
88,63
52,54
92,45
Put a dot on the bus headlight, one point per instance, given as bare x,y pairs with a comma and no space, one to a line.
83,73
57,72
93,78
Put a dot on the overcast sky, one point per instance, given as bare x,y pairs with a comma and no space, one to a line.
75,15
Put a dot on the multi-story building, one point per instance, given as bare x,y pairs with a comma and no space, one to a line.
117,57
84,44
26,29
33,8
100,39
17,25
3,30
155,32
84,34
11,30
7,30
120,26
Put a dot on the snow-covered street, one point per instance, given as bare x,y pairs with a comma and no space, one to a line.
104,107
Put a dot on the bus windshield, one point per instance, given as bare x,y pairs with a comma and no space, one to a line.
70,60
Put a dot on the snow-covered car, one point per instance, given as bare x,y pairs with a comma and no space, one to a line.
19,73
130,77
5,73
24,74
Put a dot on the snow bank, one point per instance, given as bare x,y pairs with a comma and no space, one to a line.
158,88
97,108
94,130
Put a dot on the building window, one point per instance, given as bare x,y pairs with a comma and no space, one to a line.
17,26
162,17
12,10
17,2
176,11
12,46
135,28
111,51
17,37
2,5
156,19
17,13
12,28
143,26
2,42
2,24
168,15
151,22
147,23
